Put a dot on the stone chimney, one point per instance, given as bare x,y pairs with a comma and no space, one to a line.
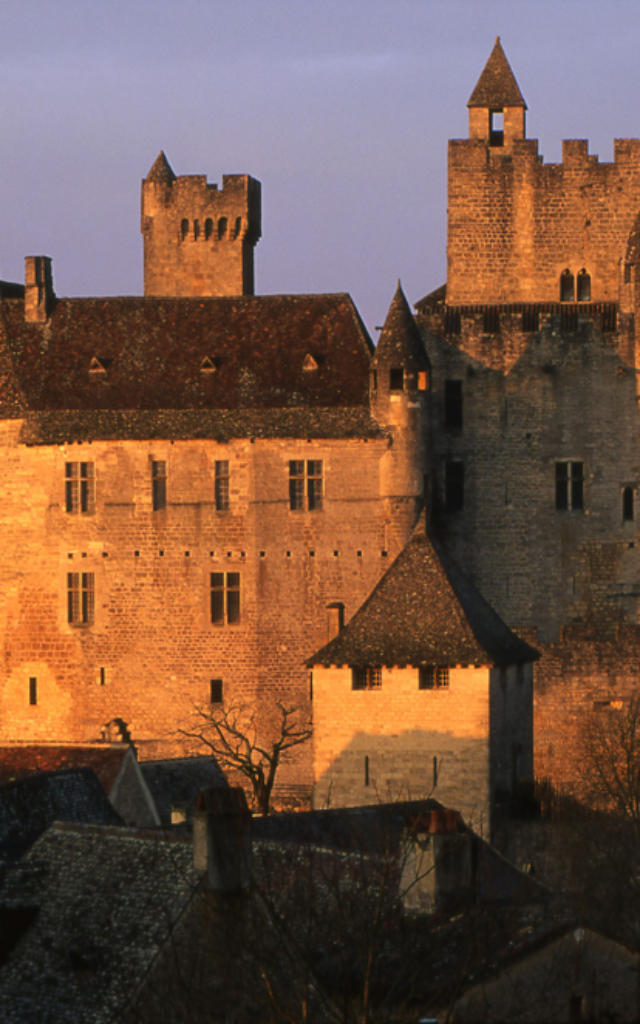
38,293
222,839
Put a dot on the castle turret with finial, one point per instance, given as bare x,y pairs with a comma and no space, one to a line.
496,105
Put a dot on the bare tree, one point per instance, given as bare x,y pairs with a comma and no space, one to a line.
611,756
242,746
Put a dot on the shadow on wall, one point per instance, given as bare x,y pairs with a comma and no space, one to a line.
410,765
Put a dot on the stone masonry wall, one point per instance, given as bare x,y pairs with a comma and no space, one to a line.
198,240
152,649
400,730
515,223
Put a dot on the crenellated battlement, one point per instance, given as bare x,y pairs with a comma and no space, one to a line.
198,238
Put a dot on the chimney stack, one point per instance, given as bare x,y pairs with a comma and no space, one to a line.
38,293
222,839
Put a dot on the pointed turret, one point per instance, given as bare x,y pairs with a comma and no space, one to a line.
400,347
161,172
496,105
400,375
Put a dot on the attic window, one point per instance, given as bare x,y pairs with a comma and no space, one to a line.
208,365
97,367
496,128
309,362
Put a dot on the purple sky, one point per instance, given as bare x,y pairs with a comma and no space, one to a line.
342,108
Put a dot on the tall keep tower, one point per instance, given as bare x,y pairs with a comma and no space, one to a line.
198,239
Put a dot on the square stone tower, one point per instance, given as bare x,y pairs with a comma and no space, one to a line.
198,239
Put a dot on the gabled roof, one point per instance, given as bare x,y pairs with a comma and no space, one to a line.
497,87
424,611
176,782
154,350
400,340
161,171
19,760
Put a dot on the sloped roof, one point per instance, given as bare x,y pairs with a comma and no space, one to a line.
107,899
400,340
29,806
161,170
192,355
497,86
424,611
177,782
17,761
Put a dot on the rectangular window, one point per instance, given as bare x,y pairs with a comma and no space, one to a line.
453,404
305,485
225,598
433,677
396,378
159,484
454,486
368,678
33,690
215,691
79,487
569,486
80,598
222,485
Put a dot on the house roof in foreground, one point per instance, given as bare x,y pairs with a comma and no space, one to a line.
107,899
18,760
424,611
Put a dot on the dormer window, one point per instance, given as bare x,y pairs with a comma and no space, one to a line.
396,378
496,128
208,365
309,363
98,367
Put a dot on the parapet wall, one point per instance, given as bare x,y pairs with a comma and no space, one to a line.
516,223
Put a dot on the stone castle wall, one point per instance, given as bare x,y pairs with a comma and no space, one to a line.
151,649
516,223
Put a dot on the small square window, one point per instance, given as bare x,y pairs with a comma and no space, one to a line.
215,691
366,678
433,677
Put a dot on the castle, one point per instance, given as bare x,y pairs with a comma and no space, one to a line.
202,486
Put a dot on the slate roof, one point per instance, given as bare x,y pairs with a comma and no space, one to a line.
17,761
497,86
106,900
174,367
176,782
424,611
400,342
29,806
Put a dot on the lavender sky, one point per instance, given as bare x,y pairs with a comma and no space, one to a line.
342,108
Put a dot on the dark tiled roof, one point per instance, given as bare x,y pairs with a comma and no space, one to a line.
31,805
56,427
497,86
177,782
161,170
107,899
17,761
400,342
125,361
424,611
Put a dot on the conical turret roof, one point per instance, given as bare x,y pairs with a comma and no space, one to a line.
400,341
497,87
161,170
